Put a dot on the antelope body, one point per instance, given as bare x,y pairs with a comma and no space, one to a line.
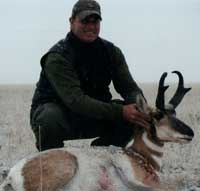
132,168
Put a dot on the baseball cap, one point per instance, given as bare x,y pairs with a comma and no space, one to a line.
85,8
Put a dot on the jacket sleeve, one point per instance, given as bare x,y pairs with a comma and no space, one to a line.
64,80
123,82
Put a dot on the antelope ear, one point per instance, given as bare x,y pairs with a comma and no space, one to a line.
142,104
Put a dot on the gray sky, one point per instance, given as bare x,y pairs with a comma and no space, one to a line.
154,35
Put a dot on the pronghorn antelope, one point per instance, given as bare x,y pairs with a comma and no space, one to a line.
107,169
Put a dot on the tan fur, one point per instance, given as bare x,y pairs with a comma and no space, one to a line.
52,170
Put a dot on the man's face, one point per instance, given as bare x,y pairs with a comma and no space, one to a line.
87,29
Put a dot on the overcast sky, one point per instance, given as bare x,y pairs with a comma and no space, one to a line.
154,35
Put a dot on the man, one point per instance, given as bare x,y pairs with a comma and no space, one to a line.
72,99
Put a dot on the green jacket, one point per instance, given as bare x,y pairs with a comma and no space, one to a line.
78,75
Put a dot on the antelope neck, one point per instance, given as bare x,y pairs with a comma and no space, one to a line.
148,150
153,145
154,150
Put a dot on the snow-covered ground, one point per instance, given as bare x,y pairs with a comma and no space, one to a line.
181,163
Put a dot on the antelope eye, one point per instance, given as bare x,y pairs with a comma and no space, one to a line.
171,112
159,115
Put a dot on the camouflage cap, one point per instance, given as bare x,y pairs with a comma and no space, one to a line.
84,8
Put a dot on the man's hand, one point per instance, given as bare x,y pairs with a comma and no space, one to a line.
133,115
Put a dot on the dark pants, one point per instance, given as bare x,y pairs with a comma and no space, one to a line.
52,124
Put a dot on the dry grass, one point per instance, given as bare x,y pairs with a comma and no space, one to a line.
17,140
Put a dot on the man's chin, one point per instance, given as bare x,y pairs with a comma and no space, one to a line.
90,39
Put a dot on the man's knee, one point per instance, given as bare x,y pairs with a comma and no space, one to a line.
49,115
48,125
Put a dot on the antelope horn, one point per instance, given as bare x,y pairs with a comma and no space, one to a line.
180,92
160,99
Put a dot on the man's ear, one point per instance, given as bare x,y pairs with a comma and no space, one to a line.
70,20
142,104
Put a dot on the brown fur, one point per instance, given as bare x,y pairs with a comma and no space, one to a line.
141,148
52,170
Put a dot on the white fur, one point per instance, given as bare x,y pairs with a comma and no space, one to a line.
15,177
82,181
151,145
91,161
124,168
130,143
117,165
88,170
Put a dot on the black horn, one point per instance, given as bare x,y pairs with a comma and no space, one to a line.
160,99
180,92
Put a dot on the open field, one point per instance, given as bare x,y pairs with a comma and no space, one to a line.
181,164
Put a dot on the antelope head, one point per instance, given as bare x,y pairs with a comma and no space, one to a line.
166,126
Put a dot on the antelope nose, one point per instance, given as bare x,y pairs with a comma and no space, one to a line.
182,128
191,133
